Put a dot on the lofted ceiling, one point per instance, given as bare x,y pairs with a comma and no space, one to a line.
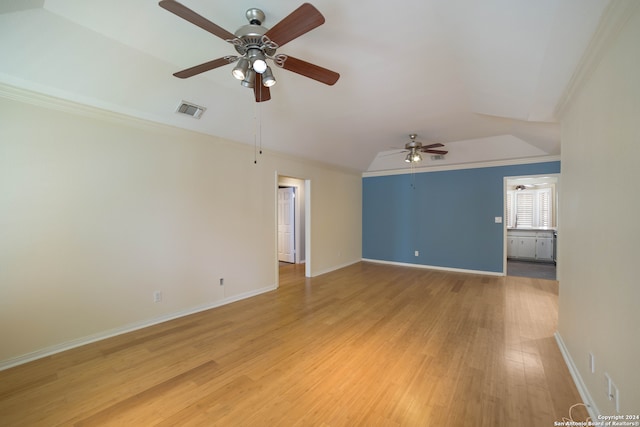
483,77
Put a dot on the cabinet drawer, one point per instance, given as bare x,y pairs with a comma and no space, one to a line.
544,234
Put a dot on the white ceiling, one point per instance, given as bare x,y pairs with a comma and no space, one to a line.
483,77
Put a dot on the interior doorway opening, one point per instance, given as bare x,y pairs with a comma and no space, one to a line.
293,241
287,247
531,225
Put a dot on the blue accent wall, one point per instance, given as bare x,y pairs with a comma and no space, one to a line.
447,216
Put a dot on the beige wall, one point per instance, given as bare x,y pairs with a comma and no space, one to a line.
98,211
599,236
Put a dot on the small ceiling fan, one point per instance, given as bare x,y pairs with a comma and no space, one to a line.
415,148
521,187
255,44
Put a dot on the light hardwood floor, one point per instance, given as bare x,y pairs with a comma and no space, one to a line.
370,345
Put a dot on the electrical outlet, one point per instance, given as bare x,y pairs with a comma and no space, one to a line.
221,281
157,296
417,253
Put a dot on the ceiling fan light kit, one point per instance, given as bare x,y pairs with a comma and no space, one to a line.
267,78
256,44
413,157
257,59
241,69
415,148
249,80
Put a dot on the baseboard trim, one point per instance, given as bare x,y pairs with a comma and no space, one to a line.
334,268
594,413
68,345
434,267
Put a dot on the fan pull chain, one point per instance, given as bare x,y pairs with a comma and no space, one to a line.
257,130
413,177
260,127
255,134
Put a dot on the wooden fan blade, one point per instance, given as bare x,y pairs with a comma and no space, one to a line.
312,71
189,15
435,145
300,21
261,92
443,152
190,72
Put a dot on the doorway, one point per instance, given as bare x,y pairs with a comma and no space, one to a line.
530,226
286,224
293,242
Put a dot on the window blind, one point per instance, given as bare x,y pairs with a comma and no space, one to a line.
524,209
529,208
509,204
544,208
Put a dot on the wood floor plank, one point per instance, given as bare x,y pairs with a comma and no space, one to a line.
370,345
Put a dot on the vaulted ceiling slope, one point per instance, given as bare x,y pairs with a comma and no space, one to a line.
484,77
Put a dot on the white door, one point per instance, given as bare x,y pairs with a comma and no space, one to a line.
286,224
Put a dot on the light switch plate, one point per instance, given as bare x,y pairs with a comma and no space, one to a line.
498,220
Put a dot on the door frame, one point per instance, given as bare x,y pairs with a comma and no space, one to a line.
295,238
556,202
307,222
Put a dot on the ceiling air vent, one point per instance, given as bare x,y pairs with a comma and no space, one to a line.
437,157
190,109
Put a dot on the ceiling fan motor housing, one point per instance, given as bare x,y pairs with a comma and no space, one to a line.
251,34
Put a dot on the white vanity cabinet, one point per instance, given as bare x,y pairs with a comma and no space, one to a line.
544,248
530,245
521,246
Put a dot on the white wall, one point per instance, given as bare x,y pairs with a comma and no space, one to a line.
98,211
599,305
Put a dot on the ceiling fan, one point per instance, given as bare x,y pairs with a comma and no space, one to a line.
415,148
521,187
255,44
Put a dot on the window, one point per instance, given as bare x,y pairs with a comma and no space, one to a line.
529,208
544,208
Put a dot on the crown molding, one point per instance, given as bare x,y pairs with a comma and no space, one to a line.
476,165
55,103
614,17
